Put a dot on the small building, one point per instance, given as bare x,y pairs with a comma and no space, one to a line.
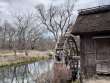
93,27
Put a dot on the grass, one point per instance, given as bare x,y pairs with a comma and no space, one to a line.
77,81
7,58
22,61
6,53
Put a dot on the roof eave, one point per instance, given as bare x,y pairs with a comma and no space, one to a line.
105,32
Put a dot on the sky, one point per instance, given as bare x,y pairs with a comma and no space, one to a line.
8,7
91,3
12,6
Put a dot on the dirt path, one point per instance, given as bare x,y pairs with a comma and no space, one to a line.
98,81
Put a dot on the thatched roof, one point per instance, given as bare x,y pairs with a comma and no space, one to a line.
92,20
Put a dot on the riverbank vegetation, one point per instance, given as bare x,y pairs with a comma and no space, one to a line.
7,58
77,81
21,61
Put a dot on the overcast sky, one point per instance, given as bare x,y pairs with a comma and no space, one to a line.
7,6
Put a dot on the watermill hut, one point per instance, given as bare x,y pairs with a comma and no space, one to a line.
93,27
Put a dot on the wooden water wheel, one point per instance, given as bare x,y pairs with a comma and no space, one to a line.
67,52
66,47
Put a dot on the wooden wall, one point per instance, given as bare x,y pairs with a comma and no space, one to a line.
95,55
88,56
103,55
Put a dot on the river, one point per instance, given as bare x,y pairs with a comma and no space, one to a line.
37,72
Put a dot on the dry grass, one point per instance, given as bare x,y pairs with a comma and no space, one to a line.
77,81
6,52
8,58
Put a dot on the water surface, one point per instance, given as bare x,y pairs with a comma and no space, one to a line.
38,72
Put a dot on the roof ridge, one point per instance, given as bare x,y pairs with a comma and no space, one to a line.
96,9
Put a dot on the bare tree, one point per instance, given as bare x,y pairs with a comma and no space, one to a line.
11,31
23,24
46,43
56,19
7,34
11,35
28,32
0,36
33,36
4,33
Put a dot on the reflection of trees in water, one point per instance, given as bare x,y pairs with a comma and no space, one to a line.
31,73
14,75
47,75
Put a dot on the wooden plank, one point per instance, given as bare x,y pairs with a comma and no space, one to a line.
103,68
88,63
103,56
101,37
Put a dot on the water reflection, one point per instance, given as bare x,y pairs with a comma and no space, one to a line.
39,72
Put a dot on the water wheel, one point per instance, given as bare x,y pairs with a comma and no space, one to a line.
66,47
67,52
70,47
